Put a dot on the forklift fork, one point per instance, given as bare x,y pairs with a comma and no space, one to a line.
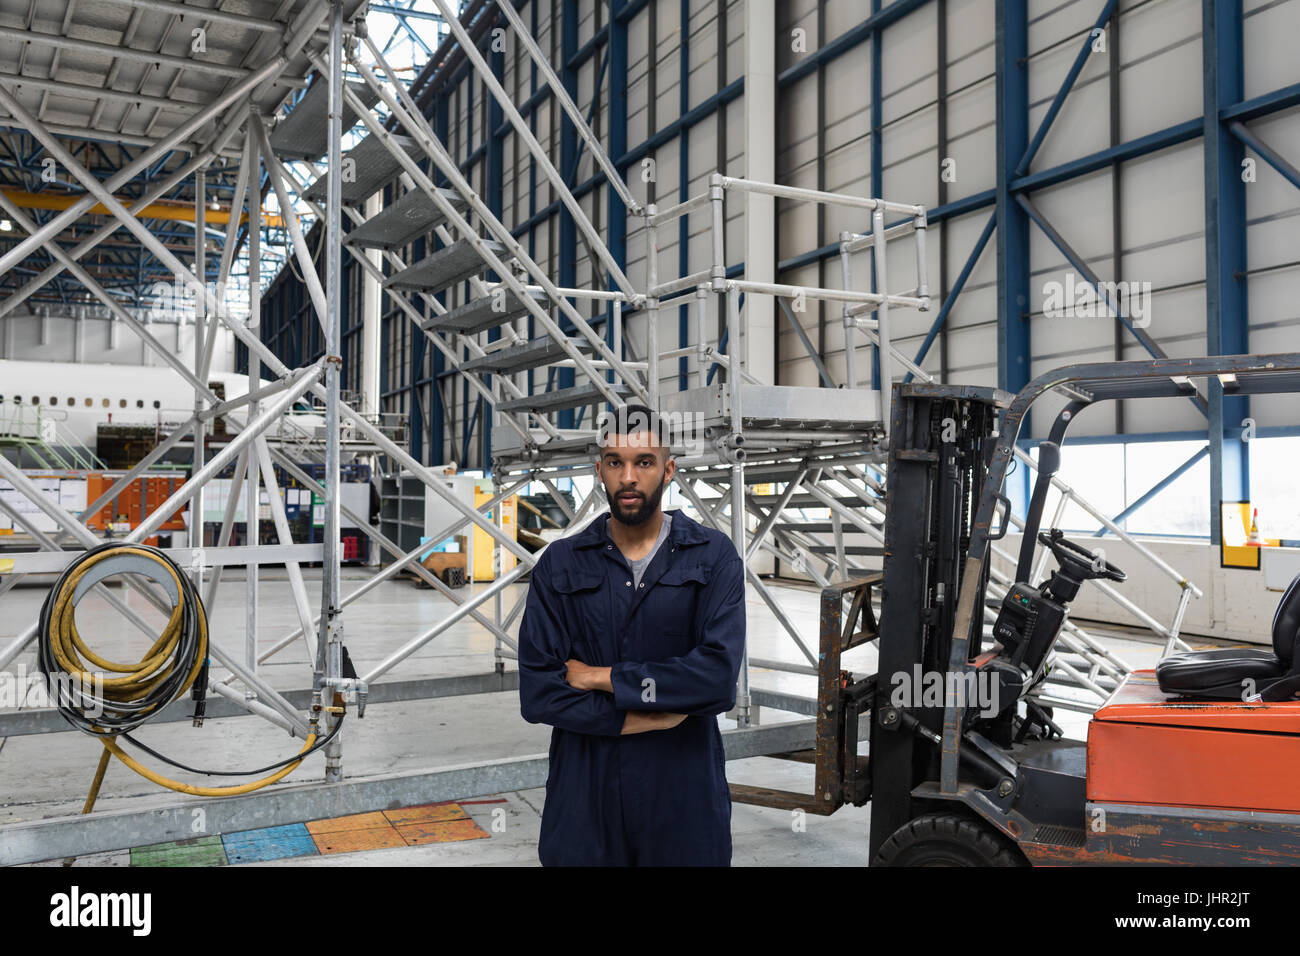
841,775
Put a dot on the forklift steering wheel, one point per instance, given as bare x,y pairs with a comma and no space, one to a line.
1084,562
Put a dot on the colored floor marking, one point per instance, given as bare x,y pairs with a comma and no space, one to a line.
198,851
426,813
269,843
350,841
353,821
452,831
443,822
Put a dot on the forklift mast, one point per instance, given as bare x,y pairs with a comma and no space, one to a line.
941,440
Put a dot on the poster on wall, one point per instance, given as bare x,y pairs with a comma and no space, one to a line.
1241,540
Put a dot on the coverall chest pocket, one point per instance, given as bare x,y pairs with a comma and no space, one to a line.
587,608
672,607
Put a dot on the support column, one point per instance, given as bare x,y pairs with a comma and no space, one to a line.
1012,52
370,324
752,343
756,348
329,647
1226,311
200,310
568,249
252,157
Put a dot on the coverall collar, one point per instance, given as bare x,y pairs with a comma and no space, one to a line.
683,532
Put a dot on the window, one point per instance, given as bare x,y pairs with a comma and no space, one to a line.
53,400
121,403
157,404
139,403
1115,475
71,401
1182,506
90,402
1096,474
1273,486
105,403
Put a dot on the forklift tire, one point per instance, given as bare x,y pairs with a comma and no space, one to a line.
947,839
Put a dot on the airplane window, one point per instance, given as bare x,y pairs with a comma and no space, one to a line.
36,400
71,400
90,402
53,400
157,404
121,403
105,403
139,403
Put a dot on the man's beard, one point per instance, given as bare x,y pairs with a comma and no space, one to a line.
647,507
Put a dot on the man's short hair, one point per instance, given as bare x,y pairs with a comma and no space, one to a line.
631,420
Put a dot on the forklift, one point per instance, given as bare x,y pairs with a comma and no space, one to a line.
1194,762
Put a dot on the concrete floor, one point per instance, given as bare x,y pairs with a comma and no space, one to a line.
47,775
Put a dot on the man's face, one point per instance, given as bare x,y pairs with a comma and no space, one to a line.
634,470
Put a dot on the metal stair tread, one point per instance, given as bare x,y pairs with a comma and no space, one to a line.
402,222
446,267
374,167
518,358
560,399
304,132
485,312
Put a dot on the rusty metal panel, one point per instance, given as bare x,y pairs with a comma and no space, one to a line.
1179,836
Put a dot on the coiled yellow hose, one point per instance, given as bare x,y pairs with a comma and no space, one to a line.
168,669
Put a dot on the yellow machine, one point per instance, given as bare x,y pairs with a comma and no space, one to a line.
485,549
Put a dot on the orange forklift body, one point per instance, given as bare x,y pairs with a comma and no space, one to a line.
1187,782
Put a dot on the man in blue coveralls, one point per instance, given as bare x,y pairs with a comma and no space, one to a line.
630,646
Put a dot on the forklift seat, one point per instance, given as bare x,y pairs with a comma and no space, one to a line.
1231,673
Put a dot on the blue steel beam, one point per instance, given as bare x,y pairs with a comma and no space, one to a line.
1225,250
1266,153
1012,95
1262,105
496,201
1081,266
683,186
1011,60
849,40
568,246
617,57
1067,84
954,292
822,373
